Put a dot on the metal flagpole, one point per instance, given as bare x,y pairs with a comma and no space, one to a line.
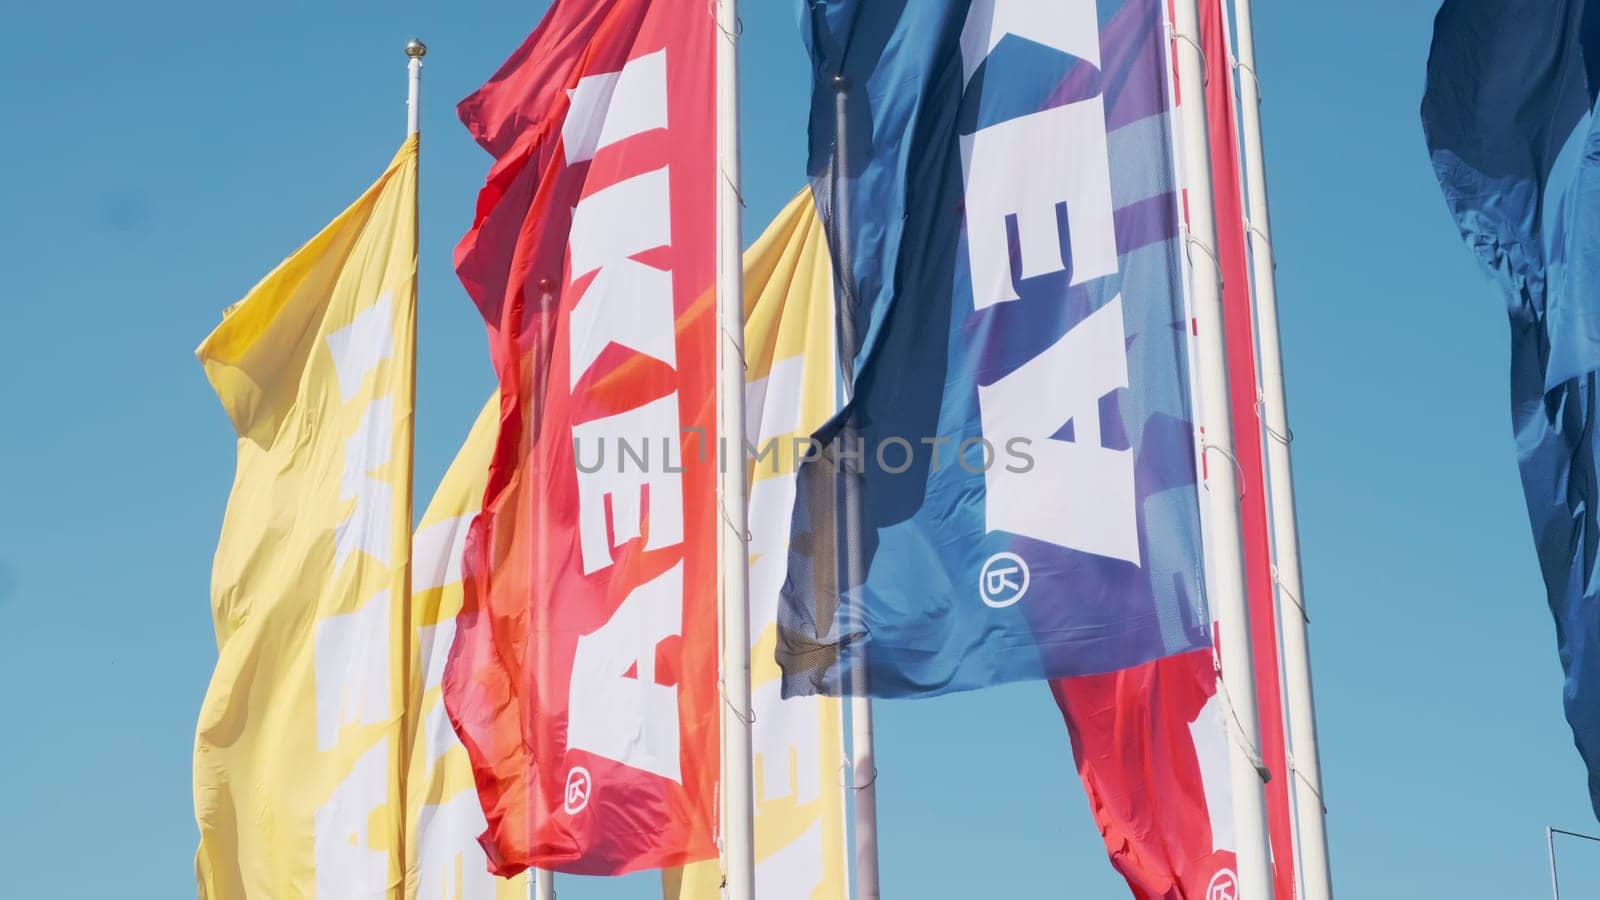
863,759
415,50
1550,833
1227,593
544,881
737,815
1550,842
1305,766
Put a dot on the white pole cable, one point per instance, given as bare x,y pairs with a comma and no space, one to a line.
1305,765
1227,593
738,810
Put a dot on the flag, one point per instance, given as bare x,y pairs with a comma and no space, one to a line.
301,748
1151,746
1026,463
582,679
1244,395
443,816
798,742
1508,117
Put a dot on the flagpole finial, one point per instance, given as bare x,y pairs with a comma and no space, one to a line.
416,49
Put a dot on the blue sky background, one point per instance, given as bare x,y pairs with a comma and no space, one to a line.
159,159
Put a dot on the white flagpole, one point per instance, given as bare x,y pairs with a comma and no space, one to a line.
737,811
863,758
415,51
1227,582
863,780
544,881
1305,766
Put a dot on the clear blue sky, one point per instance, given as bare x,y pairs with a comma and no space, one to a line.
159,159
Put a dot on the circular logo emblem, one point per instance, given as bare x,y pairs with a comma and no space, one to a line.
1003,581
1224,886
578,792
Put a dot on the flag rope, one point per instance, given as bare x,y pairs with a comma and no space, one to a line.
1236,729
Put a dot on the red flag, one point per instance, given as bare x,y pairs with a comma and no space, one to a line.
583,676
1239,326
1150,745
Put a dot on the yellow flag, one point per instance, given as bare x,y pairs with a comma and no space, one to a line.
798,743
303,739
443,813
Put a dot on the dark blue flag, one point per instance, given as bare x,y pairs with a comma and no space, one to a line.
1509,117
1010,491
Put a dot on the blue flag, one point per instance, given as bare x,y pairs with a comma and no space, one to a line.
1509,117
1010,490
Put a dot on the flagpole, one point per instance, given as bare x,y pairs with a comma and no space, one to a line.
863,759
1227,570
1305,765
737,813
1550,842
544,881
1550,833
415,51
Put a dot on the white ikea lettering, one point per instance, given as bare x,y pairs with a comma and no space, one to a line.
436,553
793,871
786,727
625,484
437,735
361,345
616,708
351,657
1025,167
1210,733
1091,505
615,106
632,720
774,401
770,502
1068,25
776,409
628,303
357,350
435,562
368,527
451,864
346,866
